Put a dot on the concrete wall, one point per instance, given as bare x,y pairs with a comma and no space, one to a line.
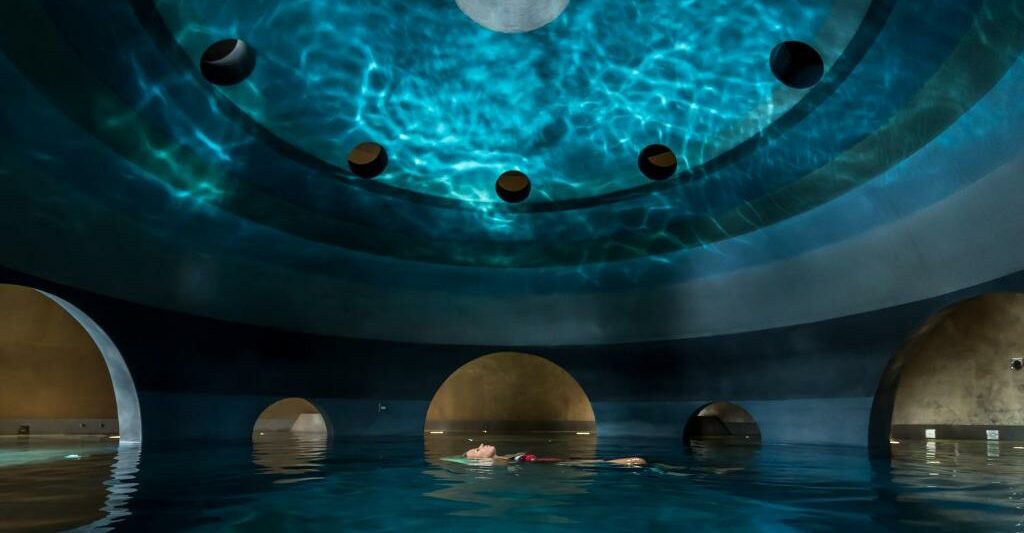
52,375
510,392
205,379
957,367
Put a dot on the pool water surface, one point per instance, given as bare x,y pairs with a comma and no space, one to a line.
401,484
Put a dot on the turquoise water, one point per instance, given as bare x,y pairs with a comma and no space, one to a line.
400,484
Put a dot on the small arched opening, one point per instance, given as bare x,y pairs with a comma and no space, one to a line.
290,417
721,423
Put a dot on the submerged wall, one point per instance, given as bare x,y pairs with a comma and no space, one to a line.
206,379
52,375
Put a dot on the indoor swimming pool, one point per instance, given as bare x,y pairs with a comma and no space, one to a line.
401,484
276,265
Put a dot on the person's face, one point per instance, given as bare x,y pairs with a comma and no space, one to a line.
484,451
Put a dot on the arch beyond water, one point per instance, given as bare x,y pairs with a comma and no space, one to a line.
65,375
723,422
510,392
953,378
291,416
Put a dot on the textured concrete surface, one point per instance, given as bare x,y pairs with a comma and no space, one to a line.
957,366
205,379
510,391
512,16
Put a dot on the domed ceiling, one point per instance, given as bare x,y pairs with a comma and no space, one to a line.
127,173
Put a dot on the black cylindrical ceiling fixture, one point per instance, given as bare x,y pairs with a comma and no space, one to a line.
368,160
657,162
513,186
227,62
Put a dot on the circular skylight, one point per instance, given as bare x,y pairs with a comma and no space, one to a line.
513,16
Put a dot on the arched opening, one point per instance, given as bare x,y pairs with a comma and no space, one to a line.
721,423
513,399
955,378
290,416
60,374
290,439
510,392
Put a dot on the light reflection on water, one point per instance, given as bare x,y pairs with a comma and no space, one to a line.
58,483
400,484
295,457
505,489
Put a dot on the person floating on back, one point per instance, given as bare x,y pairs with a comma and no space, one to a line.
488,454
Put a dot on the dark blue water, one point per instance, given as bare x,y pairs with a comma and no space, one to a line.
400,484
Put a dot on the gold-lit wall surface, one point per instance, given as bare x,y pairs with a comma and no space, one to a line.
727,412
956,370
52,376
510,392
291,415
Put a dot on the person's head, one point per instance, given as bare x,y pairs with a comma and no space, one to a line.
483,451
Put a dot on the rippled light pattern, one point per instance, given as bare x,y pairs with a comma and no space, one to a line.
572,103
512,16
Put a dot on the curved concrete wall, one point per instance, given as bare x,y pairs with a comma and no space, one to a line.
204,379
957,368
510,392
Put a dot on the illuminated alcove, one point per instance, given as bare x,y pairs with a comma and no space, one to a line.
514,401
721,422
60,374
955,377
291,417
509,392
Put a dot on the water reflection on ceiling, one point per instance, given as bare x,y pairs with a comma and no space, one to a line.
232,194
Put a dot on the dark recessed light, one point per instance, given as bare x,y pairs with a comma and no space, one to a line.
797,64
657,162
513,186
368,160
227,62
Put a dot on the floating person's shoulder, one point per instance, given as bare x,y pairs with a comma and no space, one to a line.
463,460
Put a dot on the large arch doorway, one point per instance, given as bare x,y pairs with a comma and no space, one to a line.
511,400
955,377
60,374
721,423
510,392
